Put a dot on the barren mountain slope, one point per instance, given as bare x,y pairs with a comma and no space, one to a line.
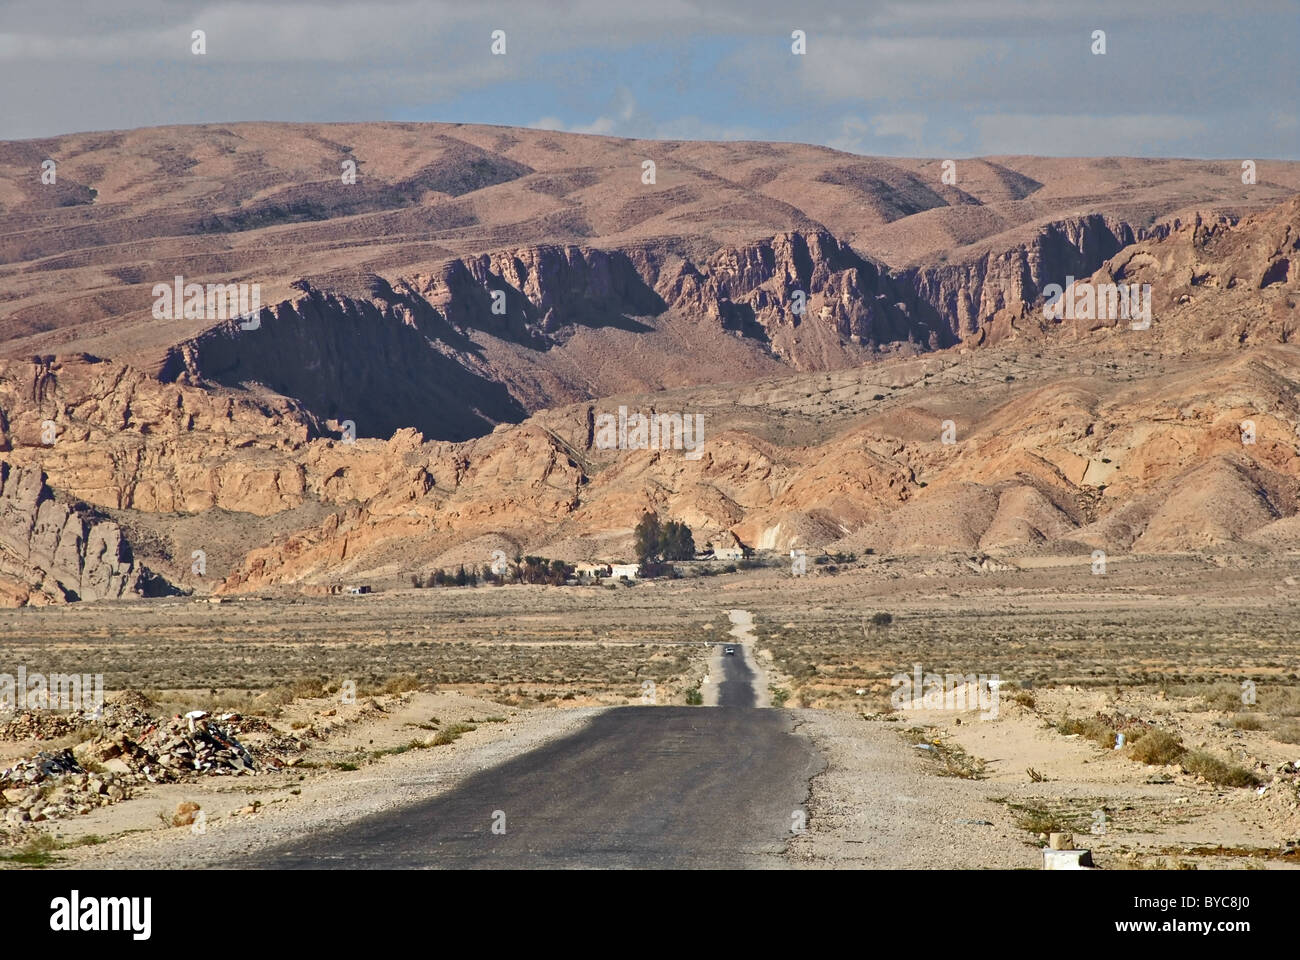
980,426
379,292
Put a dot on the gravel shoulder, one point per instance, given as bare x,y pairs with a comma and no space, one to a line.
877,806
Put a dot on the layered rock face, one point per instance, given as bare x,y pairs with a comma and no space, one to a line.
1010,283
112,436
119,439
53,553
457,351
802,278
468,346
382,358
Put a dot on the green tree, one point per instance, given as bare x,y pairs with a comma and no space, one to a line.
677,542
647,537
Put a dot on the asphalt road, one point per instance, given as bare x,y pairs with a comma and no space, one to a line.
651,787
736,689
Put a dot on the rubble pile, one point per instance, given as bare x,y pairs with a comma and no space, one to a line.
190,744
54,786
124,745
39,725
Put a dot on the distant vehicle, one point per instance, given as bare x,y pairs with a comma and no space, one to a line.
731,651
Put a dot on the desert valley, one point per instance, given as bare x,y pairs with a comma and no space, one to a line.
901,454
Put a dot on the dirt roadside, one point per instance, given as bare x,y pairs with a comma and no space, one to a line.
291,803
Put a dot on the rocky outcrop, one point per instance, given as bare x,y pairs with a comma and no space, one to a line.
1216,281
542,290
360,351
51,552
108,434
412,353
971,294
801,278
460,349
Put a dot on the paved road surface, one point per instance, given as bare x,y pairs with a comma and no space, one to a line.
637,787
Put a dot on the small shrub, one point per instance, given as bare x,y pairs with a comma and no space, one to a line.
694,698
1091,728
1158,747
1218,772
452,733
1038,819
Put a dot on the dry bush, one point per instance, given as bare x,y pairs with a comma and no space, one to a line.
402,683
1091,728
1157,747
1223,696
1218,772
451,733
1281,701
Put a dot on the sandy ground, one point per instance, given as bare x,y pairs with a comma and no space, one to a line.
1158,642
1132,814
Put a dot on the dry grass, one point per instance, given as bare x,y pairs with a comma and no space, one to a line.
952,760
1288,732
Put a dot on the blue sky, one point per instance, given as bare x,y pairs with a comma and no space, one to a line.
920,78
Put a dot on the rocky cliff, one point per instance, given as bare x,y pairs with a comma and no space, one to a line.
1009,283
468,345
51,552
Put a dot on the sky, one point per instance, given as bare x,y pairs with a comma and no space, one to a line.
928,78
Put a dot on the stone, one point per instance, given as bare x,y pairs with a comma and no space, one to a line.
186,813
1061,841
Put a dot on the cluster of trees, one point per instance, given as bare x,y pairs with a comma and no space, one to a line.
669,541
537,570
522,570
441,578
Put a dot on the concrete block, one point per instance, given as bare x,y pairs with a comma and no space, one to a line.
1067,859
